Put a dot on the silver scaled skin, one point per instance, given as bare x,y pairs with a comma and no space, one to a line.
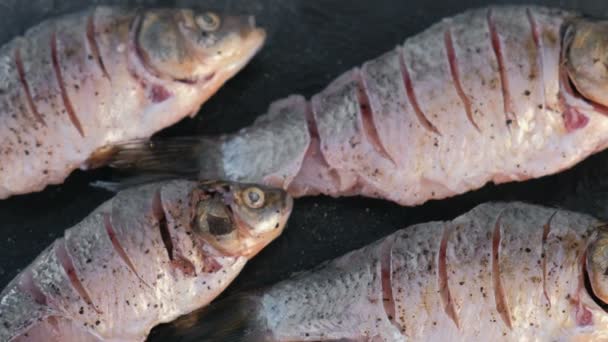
495,94
501,272
72,86
146,256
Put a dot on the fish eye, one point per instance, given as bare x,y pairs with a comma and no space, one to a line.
208,21
253,197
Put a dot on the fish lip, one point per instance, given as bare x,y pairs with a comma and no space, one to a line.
286,213
241,226
253,40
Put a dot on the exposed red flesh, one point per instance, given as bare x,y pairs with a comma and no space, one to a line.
117,246
159,214
92,39
502,306
66,261
546,231
27,284
310,121
178,261
159,93
442,278
210,265
64,95
184,265
534,28
504,81
388,300
367,120
314,149
26,87
573,119
449,47
409,88
584,317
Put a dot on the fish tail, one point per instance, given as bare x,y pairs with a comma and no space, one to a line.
119,183
181,156
234,319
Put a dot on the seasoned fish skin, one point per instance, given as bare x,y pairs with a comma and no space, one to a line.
142,258
501,272
74,85
484,96
411,137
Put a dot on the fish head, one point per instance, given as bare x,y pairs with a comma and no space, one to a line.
196,46
239,218
585,59
596,267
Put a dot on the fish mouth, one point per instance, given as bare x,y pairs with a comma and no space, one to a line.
287,210
250,39
253,39
253,244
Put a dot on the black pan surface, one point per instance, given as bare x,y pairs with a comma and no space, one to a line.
310,43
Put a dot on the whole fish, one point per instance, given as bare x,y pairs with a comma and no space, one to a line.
77,83
144,257
495,94
501,272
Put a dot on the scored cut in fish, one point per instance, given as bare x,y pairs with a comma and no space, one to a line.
494,94
144,257
74,84
501,272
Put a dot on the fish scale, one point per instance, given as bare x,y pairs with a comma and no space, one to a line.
115,275
84,78
413,268
26,311
480,97
75,85
478,277
130,294
436,97
343,300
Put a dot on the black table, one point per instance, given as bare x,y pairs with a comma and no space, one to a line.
310,43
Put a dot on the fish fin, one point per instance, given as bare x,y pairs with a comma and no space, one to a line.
234,319
119,184
174,155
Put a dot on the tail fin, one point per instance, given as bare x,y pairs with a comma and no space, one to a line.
234,319
174,155
119,183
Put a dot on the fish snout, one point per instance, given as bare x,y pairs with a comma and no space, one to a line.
245,25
